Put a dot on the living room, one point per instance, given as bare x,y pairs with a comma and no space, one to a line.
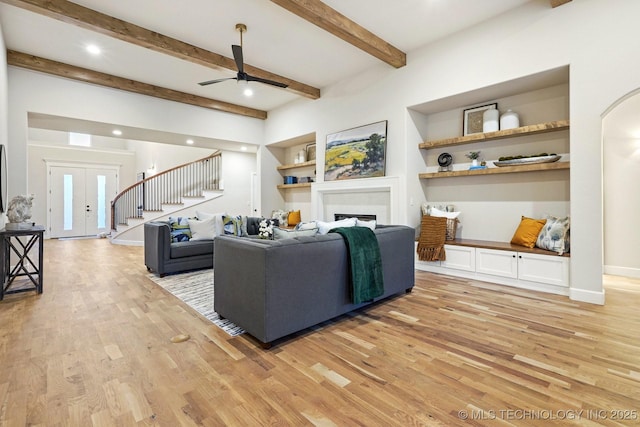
589,39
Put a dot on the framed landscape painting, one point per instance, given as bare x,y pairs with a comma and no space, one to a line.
356,153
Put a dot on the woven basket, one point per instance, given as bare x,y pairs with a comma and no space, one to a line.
452,227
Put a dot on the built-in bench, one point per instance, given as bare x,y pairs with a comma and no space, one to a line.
501,246
503,263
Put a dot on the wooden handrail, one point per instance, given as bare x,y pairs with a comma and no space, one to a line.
166,187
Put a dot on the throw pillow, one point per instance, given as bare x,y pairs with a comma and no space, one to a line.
266,227
180,231
306,225
293,218
281,216
218,220
370,224
324,227
279,233
553,236
203,230
232,225
527,232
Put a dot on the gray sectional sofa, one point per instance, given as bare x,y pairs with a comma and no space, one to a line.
273,288
165,257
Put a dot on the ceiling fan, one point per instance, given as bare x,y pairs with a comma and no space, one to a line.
242,76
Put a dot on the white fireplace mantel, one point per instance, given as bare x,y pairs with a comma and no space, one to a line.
386,184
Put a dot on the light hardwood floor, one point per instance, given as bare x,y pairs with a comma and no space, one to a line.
95,349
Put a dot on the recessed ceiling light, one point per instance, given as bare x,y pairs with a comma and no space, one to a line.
190,141
248,92
117,132
93,49
243,148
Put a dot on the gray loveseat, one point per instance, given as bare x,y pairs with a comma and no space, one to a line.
273,288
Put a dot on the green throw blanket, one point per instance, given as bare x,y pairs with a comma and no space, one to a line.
365,263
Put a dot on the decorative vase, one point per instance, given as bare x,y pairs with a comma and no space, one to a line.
509,120
490,120
474,162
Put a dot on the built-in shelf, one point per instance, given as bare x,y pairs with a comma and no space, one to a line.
289,186
492,171
554,126
296,165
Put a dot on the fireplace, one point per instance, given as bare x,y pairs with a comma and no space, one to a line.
361,217
377,197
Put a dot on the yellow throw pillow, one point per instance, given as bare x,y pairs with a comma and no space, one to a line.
527,232
294,217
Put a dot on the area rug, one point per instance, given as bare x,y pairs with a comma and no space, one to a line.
195,288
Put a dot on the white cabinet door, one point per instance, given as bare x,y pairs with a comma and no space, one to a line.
497,263
460,258
553,270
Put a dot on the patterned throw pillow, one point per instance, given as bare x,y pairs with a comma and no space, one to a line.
180,231
554,235
281,216
266,228
232,225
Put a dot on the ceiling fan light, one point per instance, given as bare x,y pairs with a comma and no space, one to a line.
248,92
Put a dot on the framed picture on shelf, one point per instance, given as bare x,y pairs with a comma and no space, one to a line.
472,118
356,153
311,152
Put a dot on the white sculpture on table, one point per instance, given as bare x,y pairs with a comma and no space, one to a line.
18,212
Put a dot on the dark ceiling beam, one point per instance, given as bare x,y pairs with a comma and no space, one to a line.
556,3
340,26
48,66
90,19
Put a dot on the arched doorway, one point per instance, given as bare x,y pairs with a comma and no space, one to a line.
621,198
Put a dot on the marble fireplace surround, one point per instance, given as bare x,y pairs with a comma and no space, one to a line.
377,196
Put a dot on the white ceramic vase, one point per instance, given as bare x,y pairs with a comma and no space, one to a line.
509,120
490,120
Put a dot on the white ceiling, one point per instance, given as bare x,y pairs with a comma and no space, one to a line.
276,40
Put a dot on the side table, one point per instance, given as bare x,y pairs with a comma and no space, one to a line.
20,242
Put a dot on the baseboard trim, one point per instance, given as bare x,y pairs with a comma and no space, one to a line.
127,242
583,295
622,271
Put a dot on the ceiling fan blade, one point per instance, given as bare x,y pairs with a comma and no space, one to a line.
216,81
269,82
237,55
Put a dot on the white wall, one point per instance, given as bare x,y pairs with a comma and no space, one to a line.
40,93
592,36
3,106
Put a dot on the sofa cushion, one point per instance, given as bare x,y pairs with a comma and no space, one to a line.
191,248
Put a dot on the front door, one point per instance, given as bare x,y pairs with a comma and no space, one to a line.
80,200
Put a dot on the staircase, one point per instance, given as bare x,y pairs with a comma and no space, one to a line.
167,192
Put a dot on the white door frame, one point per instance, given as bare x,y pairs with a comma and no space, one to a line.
71,164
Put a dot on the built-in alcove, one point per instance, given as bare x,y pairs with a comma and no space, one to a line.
491,205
